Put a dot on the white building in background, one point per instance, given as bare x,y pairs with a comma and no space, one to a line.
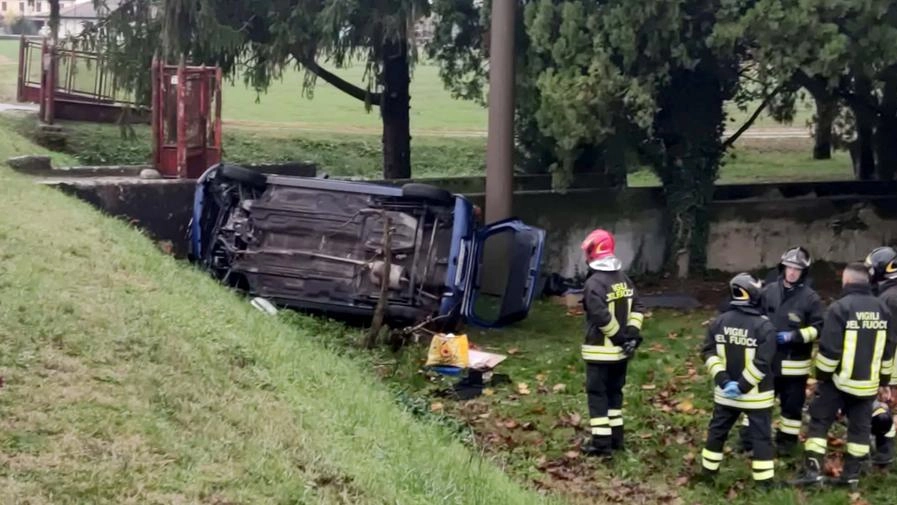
72,13
28,8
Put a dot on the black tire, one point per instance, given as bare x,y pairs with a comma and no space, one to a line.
429,193
243,175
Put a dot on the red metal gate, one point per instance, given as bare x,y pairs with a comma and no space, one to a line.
72,84
186,119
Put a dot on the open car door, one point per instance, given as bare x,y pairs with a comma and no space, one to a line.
504,271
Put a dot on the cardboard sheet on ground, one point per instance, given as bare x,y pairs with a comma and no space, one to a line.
480,360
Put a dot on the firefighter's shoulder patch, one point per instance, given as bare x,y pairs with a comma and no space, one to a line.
794,317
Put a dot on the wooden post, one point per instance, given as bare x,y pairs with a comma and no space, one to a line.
51,86
500,140
218,111
155,112
182,119
23,69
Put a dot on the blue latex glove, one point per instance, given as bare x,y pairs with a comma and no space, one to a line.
786,337
731,390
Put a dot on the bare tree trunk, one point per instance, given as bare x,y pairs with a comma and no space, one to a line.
864,153
826,108
395,108
380,311
886,132
54,20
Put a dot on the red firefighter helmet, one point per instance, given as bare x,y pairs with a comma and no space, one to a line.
598,245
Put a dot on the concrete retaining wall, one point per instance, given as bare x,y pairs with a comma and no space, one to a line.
751,224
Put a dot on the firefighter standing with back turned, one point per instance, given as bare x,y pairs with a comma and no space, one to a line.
854,364
738,352
614,321
882,265
795,310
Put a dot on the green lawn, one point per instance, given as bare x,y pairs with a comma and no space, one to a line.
360,155
758,164
433,110
536,422
132,378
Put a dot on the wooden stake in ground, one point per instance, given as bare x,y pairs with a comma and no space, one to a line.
380,310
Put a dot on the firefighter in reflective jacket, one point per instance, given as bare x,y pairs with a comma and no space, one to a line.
795,311
738,353
854,363
614,321
882,265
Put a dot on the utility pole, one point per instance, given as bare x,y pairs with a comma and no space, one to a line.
500,142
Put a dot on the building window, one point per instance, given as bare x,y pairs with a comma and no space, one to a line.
21,7
39,8
3,6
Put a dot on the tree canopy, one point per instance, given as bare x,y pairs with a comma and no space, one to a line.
259,39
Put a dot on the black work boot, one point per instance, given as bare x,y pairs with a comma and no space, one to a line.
769,484
599,447
707,476
786,444
811,473
850,475
884,452
616,438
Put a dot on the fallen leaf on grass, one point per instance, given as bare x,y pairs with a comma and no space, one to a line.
572,419
689,458
488,392
732,494
571,454
511,424
646,435
682,481
436,407
528,426
672,335
648,387
836,442
833,467
857,499
559,388
540,377
686,407
658,347
514,350
522,388
575,312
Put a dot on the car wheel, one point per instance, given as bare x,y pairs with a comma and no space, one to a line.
243,175
426,192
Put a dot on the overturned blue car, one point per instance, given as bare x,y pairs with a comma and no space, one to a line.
320,245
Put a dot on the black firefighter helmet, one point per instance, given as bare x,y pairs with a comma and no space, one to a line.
744,290
796,257
882,264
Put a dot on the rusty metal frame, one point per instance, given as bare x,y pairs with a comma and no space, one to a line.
180,158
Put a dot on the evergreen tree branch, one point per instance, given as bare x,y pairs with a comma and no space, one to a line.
339,83
750,122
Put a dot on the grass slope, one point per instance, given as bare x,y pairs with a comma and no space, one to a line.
132,378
